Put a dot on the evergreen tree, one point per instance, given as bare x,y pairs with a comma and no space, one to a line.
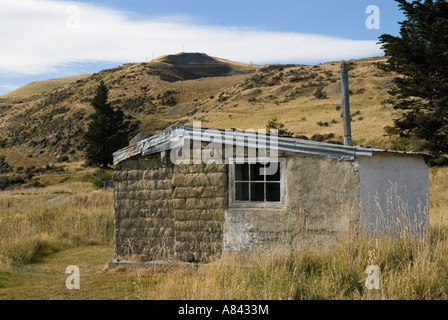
420,59
4,166
107,132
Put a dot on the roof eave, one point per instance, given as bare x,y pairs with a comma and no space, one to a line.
175,137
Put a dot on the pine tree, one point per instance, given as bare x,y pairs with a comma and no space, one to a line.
107,131
420,58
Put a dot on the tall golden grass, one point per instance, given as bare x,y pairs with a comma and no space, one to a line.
32,225
410,269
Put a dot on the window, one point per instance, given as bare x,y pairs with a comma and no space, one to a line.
250,187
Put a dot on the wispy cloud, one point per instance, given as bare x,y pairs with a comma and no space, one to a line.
41,36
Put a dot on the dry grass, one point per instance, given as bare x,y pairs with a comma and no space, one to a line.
39,87
410,269
36,222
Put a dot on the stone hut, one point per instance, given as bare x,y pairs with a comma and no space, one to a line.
188,194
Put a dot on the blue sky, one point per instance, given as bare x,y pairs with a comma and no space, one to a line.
43,39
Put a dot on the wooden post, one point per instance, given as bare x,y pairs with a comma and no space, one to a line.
346,105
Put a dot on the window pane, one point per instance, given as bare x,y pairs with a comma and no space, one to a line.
273,192
242,191
255,172
257,192
242,172
270,167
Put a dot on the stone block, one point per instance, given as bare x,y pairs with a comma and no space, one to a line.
165,184
212,192
217,179
205,203
186,215
130,164
134,174
198,214
179,204
215,168
148,184
120,175
188,192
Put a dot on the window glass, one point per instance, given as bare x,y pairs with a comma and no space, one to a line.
273,192
242,172
276,175
251,185
257,191
242,191
255,172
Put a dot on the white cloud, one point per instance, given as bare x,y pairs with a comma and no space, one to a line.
40,36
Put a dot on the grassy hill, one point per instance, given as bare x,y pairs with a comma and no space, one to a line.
45,86
44,121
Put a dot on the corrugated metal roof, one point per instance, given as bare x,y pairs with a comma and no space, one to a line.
175,137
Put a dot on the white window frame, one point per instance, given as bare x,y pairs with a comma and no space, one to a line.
258,204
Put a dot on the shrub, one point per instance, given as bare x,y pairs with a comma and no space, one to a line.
8,182
319,94
102,176
273,124
18,168
317,137
63,158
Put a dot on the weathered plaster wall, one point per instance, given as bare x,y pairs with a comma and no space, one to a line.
322,201
394,191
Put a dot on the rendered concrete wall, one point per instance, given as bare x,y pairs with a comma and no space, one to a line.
394,192
322,202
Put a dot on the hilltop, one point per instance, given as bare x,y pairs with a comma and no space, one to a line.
42,122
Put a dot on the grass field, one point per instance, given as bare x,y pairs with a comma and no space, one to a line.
42,231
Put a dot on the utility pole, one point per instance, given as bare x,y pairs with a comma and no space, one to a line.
346,105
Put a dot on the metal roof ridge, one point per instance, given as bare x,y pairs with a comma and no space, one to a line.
174,136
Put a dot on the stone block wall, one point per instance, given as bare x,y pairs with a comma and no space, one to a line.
169,212
200,199
143,207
